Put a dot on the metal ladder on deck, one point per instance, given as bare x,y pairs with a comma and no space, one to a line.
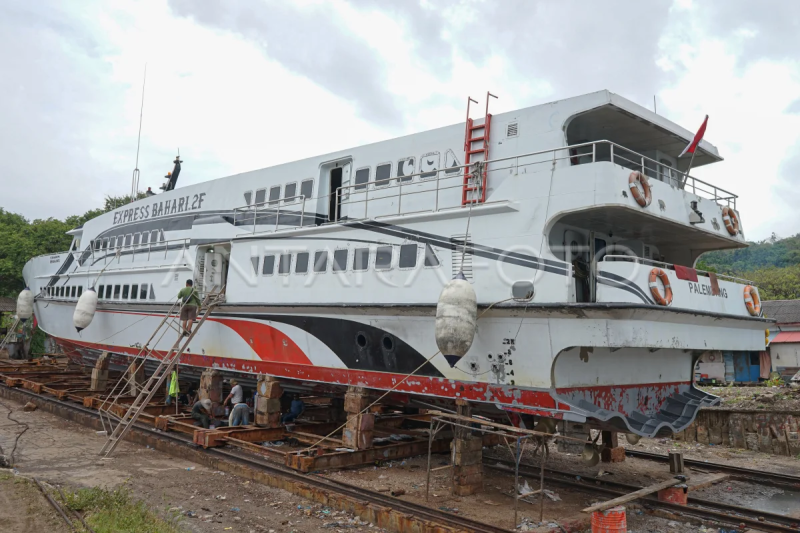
10,334
473,190
151,386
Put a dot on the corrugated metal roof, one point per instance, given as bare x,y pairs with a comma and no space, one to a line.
786,336
784,311
7,305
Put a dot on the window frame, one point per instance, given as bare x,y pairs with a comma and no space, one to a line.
288,266
425,248
136,238
316,260
363,186
264,264
270,199
143,287
357,252
290,199
406,178
391,257
117,292
128,240
126,291
297,262
109,293
263,200
134,291
302,182
400,255
386,181
101,292
433,173
255,263
248,198
346,257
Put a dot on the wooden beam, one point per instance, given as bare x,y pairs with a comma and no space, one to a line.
706,481
633,495
444,416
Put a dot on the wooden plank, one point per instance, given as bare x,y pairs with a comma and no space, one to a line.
445,416
707,481
632,496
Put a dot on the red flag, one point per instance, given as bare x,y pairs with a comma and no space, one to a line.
692,146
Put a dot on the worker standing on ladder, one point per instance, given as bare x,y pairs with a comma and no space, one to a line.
189,309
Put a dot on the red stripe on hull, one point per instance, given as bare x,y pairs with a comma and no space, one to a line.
266,341
417,385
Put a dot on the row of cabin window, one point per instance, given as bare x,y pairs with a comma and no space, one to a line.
125,292
64,291
133,239
289,193
361,258
404,172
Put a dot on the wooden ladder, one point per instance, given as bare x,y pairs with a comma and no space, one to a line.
167,363
473,190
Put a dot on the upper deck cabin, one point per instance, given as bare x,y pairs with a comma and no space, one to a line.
560,170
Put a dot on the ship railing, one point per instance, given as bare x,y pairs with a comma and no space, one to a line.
437,182
272,208
145,251
670,266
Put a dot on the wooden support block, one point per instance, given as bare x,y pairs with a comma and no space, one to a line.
612,455
355,403
706,481
468,458
473,444
676,462
362,422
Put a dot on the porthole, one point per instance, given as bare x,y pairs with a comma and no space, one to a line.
388,343
361,340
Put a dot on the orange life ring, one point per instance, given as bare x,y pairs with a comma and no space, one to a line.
642,196
731,220
655,275
752,300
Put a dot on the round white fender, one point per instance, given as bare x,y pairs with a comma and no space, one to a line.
25,304
456,319
85,309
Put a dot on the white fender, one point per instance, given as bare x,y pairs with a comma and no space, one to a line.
85,309
456,319
25,304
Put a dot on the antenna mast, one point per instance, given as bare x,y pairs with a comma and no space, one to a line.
135,178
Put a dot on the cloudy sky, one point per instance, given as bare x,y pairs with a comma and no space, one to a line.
243,84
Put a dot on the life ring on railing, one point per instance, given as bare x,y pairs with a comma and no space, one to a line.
655,275
752,300
641,195
731,220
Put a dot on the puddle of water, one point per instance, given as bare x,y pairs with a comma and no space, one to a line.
780,503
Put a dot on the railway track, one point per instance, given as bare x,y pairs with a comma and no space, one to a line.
333,486
783,481
705,509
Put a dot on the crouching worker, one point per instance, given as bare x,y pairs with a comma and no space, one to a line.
201,412
296,409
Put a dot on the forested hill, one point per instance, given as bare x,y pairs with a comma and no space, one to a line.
772,252
773,265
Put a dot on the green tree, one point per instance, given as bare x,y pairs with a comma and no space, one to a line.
776,283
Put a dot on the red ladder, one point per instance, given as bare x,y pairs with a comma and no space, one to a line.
473,192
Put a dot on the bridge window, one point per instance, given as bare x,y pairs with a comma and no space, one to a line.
361,259
108,291
136,238
274,194
248,197
362,178
383,257
269,265
101,292
143,292
321,261
152,293
405,169
134,292
307,188
145,237
125,292
428,165
154,236
340,260
80,290
285,263
382,175
116,292
301,263
408,256
290,191
261,195
254,262
105,244
128,238
430,257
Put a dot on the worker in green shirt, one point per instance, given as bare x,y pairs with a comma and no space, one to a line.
190,304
